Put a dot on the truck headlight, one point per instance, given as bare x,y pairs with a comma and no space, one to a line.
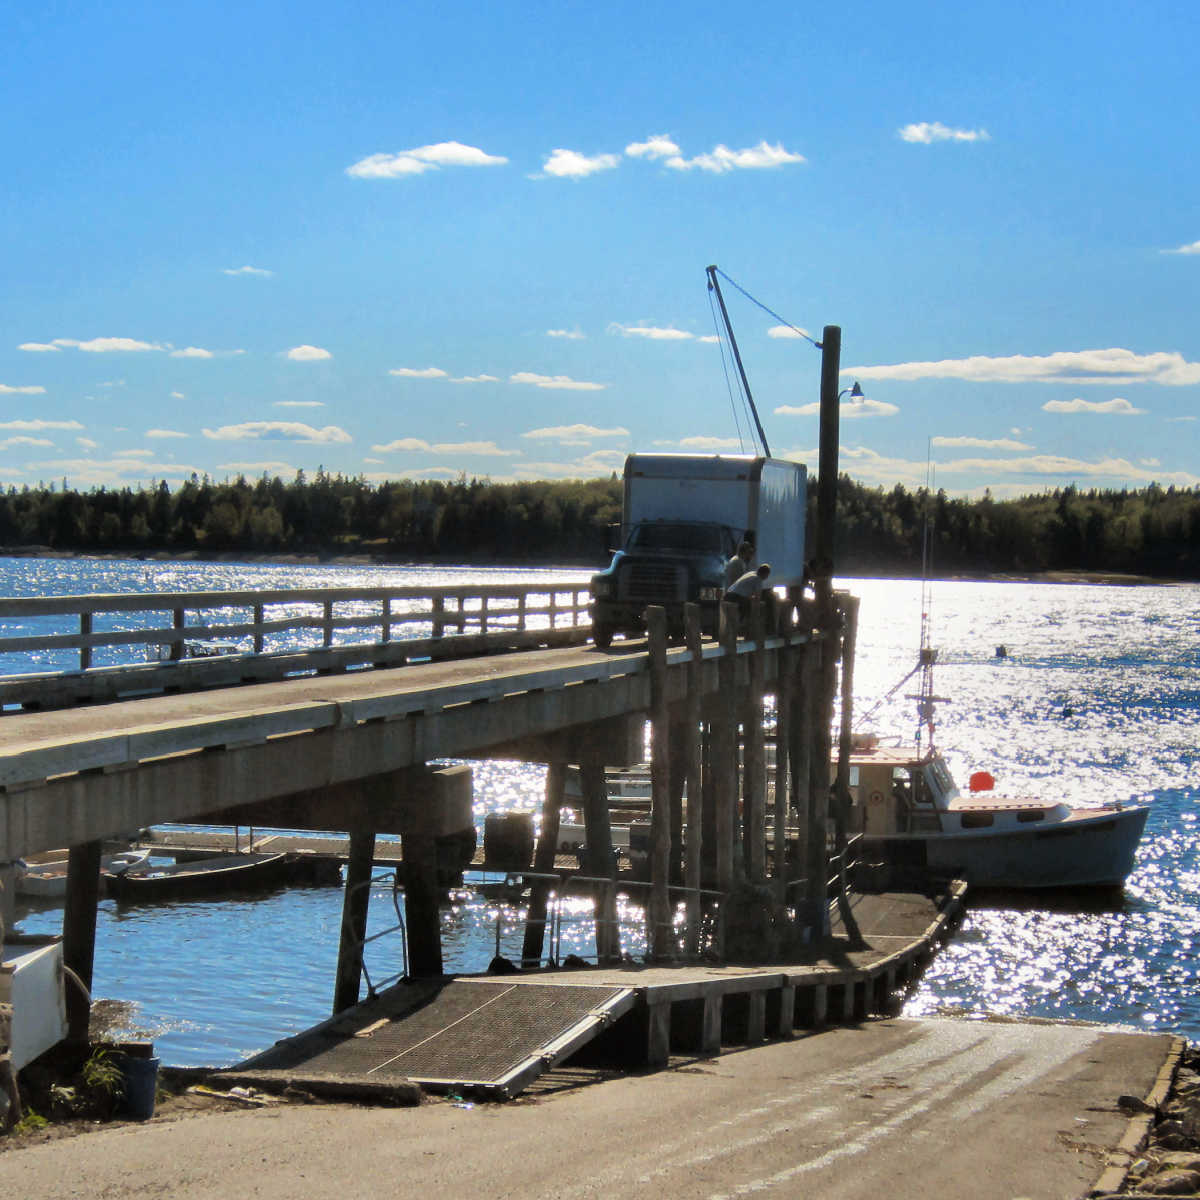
602,588
710,595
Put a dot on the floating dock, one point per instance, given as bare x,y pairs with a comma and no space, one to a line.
494,1035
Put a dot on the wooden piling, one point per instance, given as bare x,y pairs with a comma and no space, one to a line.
355,903
725,748
817,867
543,864
848,607
783,720
659,909
692,766
755,774
79,933
601,861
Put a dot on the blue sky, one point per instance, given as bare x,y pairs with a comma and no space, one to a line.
413,241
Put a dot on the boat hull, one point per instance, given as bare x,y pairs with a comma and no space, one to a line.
1096,852
207,877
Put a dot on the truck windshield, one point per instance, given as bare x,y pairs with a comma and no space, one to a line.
670,535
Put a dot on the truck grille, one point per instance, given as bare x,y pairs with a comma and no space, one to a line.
653,582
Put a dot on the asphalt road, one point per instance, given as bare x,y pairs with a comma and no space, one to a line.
908,1110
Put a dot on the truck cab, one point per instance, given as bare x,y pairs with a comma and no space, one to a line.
684,516
664,562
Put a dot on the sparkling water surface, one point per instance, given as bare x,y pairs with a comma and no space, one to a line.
1097,700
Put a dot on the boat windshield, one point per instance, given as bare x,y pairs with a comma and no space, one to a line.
941,782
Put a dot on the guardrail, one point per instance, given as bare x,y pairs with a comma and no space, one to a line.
51,646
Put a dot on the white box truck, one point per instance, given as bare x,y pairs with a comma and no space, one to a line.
684,517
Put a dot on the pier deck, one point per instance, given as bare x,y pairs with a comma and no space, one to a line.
493,1035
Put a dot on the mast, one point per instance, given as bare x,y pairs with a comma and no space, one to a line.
714,286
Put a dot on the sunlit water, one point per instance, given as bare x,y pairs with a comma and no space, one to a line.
1098,699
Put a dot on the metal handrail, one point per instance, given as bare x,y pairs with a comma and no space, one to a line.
360,945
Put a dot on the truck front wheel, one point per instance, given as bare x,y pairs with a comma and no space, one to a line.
602,635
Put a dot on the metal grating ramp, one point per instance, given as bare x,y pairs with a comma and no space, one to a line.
483,1035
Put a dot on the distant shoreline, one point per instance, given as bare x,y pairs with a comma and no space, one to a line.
1102,578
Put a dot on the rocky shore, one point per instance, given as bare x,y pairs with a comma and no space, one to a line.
1163,1143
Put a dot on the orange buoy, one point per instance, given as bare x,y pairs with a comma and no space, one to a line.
981,781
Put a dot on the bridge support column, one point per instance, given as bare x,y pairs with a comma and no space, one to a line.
601,861
421,896
543,864
354,919
79,934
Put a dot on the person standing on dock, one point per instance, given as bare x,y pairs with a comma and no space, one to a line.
739,564
747,587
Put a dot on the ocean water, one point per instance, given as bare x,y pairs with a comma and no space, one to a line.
1098,699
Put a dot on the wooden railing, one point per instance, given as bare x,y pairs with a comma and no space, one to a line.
220,636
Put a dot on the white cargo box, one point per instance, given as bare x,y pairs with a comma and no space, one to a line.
31,980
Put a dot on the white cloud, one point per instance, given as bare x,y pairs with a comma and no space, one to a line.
178,396
570,164
488,449
654,333
848,410
39,347
654,147
975,443
23,390
247,270
107,345
701,444
418,372
575,435
572,335
475,379
87,472
787,331
84,443
1180,418
258,468
133,454
298,404
1116,405
927,132
709,339
308,354
721,159
412,445
192,352
164,433
1064,366
421,159
556,382
25,440
37,425
287,431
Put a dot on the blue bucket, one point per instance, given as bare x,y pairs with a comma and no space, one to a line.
140,1079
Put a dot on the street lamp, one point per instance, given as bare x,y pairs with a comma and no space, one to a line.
855,392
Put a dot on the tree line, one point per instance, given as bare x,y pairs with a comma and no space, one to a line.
1148,531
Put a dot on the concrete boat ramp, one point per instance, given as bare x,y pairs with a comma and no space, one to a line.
494,1035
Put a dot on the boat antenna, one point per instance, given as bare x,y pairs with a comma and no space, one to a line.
714,286
925,697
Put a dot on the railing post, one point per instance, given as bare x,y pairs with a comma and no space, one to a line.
553,607
438,615
178,617
85,651
327,624
522,602
259,616
483,614
385,620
